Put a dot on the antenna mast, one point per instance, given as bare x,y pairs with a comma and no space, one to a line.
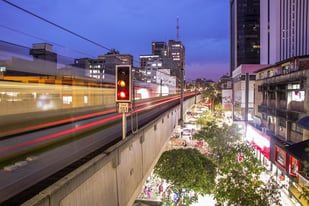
177,29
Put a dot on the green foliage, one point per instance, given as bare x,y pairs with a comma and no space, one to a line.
187,169
233,180
186,198
212,94
238,182
218,138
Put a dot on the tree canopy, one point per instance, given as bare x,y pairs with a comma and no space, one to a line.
239,171
230,170
187,169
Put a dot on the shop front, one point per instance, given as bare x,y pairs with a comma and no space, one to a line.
261,144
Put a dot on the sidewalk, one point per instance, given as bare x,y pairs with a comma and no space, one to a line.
206,200
285,199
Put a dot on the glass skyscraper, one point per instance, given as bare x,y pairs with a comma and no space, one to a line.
244,32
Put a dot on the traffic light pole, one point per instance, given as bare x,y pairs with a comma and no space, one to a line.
123,108
123,87
124,125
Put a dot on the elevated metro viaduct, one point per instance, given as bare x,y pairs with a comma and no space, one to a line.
115,177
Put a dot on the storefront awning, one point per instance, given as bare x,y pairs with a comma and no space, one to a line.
304,122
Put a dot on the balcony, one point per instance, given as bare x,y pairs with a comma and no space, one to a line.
296,106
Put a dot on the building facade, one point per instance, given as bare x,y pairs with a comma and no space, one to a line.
168,56
284,29
176,51
157,69
227,92
159,48
103,68
281,105
244,33
43,51
243,78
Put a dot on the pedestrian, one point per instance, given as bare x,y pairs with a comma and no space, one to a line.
160,188
149,193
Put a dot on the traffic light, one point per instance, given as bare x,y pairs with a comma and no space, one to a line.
123,83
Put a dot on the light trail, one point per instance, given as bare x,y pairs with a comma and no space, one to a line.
40,126
57,135
25,129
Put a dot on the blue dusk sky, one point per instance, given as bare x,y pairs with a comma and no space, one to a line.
129,26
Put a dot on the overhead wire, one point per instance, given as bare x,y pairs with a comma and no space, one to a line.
57,25
36,37
77,35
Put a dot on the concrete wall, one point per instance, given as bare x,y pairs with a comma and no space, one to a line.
116,177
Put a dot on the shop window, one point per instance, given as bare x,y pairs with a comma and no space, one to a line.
296,128
294,166
280,157
282,122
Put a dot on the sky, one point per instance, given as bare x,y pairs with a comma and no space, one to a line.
129,26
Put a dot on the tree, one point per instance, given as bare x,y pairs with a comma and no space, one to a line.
187,170
218,137
238,181
211,92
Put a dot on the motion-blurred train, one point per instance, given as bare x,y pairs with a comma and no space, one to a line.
23,94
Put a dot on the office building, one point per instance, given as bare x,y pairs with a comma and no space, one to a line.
176,51
159,48
284,29
244,33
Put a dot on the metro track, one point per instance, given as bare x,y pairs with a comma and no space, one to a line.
92,134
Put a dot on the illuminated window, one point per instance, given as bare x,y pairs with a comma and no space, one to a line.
67,99
280,156
294,166
296,128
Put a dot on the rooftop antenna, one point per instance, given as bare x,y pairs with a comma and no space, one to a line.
177,29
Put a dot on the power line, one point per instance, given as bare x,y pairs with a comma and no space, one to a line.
44,40
56,25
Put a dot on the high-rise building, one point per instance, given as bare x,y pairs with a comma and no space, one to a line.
284,29
176,51
244,33
172,56
159,48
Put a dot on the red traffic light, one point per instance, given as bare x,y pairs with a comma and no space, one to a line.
122,95
123,83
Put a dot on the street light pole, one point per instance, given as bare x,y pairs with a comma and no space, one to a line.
181,95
